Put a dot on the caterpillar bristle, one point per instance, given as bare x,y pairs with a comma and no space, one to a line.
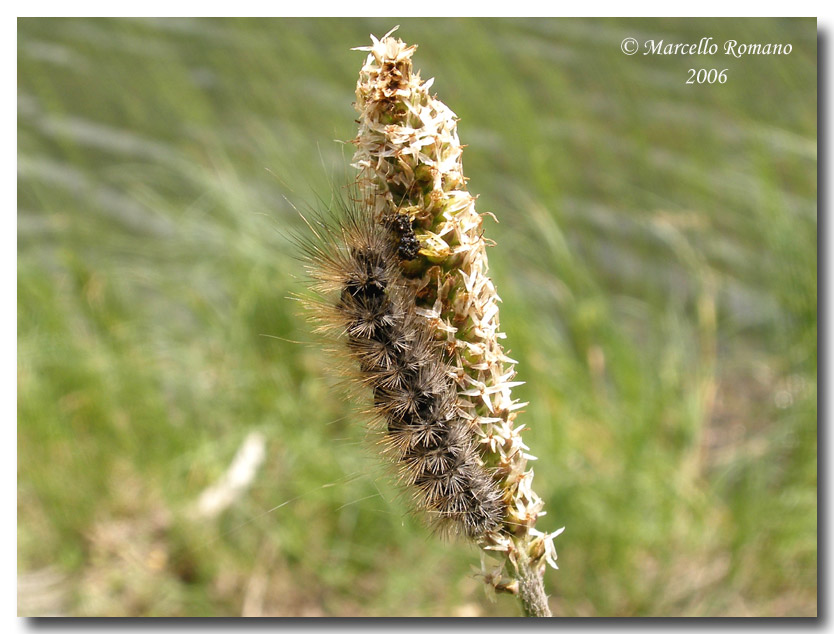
361,297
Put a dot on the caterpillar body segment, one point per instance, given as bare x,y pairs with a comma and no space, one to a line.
365,300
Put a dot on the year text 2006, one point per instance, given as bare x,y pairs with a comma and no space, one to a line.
706,76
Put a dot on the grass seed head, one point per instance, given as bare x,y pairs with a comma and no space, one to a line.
409,158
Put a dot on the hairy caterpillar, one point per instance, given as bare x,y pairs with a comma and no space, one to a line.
364,299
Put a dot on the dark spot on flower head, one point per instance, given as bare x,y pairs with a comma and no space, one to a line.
407,244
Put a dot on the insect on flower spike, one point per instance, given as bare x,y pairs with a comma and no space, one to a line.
408,154
354,262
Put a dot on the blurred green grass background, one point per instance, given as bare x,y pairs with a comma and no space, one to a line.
656,257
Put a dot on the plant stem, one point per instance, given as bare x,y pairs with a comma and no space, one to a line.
531,588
